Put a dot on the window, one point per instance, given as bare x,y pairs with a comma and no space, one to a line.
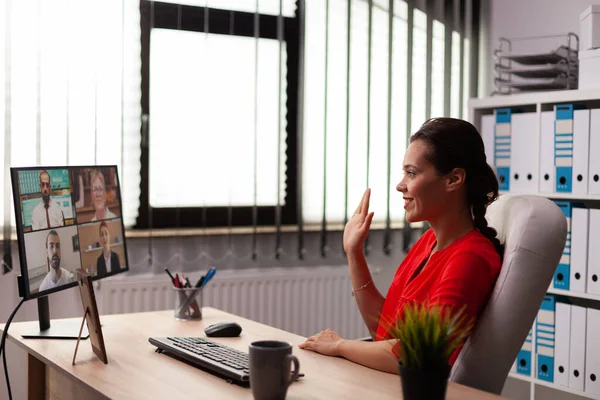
70,90
357,115
219,89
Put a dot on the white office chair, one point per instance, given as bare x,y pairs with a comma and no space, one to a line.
533,230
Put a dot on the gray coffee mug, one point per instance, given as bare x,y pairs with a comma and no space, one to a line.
270,364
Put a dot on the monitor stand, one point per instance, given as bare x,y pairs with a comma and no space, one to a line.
60,329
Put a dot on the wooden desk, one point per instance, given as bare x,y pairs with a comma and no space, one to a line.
136,371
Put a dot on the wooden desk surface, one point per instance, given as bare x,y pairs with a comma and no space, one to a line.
134,370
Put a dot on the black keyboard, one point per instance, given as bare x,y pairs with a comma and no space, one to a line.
223,360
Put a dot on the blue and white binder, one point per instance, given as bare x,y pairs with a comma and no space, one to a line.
502,147
544,339
562,273
524,356
563,147
564,139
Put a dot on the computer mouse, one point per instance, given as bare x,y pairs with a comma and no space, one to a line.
223,329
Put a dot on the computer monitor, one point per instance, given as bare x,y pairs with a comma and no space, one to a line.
68,219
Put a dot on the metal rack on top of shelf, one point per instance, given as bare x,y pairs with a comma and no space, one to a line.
556,69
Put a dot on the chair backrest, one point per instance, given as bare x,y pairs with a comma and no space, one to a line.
533,230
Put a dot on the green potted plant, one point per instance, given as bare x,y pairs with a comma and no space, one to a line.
426,336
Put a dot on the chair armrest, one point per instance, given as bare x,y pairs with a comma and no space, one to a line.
366,339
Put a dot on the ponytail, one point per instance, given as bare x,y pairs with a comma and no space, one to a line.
482,191
482,226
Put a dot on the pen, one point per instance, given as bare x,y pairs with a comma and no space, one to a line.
211,272
171,276
187,282
177,281
199,283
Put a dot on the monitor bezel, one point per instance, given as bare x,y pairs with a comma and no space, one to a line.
14,172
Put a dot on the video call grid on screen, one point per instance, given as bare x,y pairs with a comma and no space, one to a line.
68,218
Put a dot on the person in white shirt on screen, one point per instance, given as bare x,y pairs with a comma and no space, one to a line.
47,214
108,261
57,275
99,197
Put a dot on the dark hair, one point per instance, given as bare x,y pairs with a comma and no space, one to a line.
454,143
51,233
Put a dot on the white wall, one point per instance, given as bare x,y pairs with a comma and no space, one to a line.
524,18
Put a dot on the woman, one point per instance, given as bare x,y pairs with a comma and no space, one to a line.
108,261
448,183
98,193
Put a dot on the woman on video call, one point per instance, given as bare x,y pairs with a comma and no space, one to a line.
98,194
108,261
448,183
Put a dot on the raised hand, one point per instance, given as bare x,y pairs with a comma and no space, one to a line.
358,225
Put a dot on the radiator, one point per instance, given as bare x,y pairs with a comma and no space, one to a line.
299,300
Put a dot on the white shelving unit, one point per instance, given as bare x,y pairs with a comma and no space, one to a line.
552,385
538,102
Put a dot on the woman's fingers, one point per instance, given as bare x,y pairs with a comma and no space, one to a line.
361,206
365,202
367,223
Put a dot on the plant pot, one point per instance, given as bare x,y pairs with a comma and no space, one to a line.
424,384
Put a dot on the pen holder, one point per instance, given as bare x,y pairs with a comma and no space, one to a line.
188,303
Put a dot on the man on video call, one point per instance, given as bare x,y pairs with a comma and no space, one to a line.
47,214
57,275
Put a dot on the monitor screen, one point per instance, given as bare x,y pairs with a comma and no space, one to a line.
68,219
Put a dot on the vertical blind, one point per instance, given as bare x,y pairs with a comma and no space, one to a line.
71,74
373,71
346,104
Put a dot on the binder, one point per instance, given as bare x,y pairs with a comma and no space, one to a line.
502,143
577,348
579,249
487,134
594,164
592,352
562,343
524,166
546,180
563,147
524,356
581,145
562,273
593,261
544,340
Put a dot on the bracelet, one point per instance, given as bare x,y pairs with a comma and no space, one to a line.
362,287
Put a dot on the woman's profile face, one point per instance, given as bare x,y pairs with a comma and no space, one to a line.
422,188
104,237
98,194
